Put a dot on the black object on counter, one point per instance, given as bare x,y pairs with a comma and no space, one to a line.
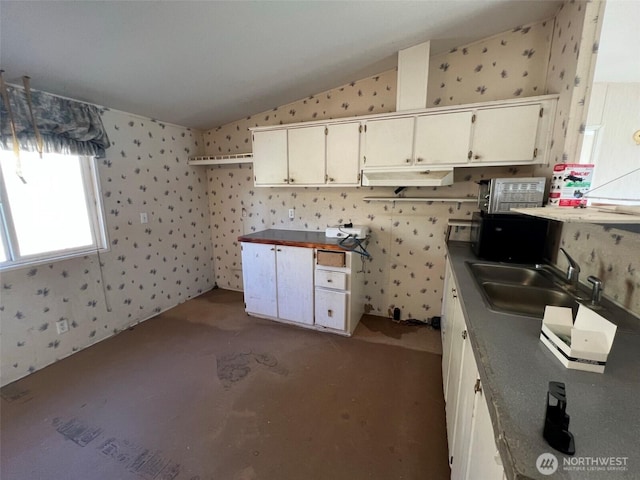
556,423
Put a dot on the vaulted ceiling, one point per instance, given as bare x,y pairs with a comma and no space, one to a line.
204,64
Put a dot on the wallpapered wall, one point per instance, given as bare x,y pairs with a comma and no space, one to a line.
406,267
407,243
149,267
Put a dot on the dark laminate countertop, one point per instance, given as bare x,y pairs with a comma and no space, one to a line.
515,369
294,238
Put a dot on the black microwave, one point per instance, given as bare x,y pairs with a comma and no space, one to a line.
510,238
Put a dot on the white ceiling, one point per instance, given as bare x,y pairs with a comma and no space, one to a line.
204,64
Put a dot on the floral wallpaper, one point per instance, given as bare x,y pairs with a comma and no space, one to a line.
407,262
509,65
149,267
406,267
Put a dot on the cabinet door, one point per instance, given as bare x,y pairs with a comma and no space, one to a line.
506,134
464,410
331,309
484,458
307,155
270,157
343,154
389,142
443,138
295,284
450,297
259,278
458,336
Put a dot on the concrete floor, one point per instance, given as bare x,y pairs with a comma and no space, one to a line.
204,391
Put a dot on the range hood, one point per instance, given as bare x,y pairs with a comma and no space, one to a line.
407,177
413,73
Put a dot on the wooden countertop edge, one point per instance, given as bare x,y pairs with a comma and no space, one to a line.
293,243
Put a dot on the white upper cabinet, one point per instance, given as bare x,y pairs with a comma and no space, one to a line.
506,134
313,155
443,139
389,142
270,157
332,152
307,155
343,154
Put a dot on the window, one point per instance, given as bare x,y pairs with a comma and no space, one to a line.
54,214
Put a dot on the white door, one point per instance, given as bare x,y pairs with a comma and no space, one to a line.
506,134
458,334
450,298
295,284
307,155
331,309
464,411
484,458
389,142
259,278
443,138
270,157
343,154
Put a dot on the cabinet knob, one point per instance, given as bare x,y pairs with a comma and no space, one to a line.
330,312
286,180
470,154
291,180
272,249
477,157
278,249
464,334
331,179
408,160
329,280
419,159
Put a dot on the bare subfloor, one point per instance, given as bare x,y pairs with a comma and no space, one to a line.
204,392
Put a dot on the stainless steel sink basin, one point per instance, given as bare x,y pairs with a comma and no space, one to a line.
512,274
519,289
525,299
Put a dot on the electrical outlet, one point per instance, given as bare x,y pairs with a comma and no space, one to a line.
62,326
144,218
292,213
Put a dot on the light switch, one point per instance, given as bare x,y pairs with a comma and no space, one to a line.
144,218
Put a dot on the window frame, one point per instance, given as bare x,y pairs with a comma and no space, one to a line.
97,221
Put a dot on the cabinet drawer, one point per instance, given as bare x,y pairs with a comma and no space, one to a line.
331,279
331,309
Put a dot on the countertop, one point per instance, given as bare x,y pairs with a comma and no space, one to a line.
294,238
515,369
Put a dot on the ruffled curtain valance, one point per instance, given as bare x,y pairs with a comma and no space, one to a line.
66,126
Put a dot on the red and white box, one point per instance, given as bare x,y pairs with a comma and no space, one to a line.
569,184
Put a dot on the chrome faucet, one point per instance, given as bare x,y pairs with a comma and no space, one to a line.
596,291
573,270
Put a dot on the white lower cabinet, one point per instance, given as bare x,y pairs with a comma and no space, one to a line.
331,309
472,449
338,288
278,281
292,284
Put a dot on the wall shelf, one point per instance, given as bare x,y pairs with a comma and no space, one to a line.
421,199
221,159
592,214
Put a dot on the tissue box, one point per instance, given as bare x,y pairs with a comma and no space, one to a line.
581,345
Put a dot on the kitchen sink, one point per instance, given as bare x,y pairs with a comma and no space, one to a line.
520,289
512,274
525,299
